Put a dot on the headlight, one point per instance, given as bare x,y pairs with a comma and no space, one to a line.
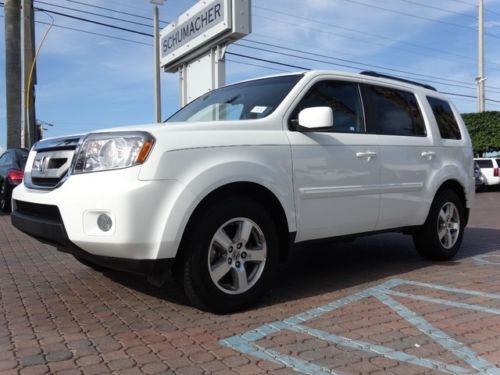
106,151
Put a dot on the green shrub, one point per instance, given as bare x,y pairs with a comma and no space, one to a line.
484,130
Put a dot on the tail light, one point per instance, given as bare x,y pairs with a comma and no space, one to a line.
15,176
496,172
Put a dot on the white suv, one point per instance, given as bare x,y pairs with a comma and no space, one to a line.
222,191
490,170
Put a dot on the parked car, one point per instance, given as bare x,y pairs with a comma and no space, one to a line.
490,170
478,176
220,193
12,164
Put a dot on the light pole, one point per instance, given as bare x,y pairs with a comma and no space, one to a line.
480,78
157,78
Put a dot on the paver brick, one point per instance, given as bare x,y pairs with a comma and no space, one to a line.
121,364
31,360
35,370
69,372
60,355
59,316
154,368
7,365
88,360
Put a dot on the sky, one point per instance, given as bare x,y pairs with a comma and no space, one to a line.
88,81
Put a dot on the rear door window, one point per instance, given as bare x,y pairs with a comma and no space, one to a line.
447,123
395,112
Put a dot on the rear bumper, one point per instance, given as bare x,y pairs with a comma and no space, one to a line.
52,231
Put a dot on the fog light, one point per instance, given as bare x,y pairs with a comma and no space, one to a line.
104,222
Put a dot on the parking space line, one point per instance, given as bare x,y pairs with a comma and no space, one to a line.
444,288
379,349
249,347
247,342
440,301
446,341
483,259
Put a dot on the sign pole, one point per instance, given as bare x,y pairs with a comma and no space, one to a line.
157,77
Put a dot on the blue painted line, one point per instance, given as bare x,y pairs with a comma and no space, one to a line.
297,364
449,289
446,341
318,311
380,349
481,259
247,342
441,301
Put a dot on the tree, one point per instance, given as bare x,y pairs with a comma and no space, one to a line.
484,130
12,10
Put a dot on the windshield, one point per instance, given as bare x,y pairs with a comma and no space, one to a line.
243,101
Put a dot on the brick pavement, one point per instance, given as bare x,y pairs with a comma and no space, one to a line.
59,316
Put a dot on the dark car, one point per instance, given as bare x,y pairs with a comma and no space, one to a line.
12,164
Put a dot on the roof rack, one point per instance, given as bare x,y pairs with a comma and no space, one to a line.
380,75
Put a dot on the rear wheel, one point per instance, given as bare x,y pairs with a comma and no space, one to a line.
232,253
4,198
441,235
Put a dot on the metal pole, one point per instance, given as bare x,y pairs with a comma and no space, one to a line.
480,79
13,76
157,65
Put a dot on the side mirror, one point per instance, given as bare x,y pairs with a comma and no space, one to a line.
316,118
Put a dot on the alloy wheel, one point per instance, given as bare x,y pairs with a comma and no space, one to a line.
237,255
448,225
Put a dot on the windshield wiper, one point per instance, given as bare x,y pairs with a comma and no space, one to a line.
231,101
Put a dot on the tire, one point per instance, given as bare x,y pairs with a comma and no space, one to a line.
224,270
441,235
4,198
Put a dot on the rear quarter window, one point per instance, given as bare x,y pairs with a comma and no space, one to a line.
445,119
485,163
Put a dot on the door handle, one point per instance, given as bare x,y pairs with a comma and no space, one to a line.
368,155
428,154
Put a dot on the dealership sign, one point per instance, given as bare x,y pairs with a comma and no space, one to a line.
205,25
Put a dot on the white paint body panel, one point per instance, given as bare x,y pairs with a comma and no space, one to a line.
336,193
323,186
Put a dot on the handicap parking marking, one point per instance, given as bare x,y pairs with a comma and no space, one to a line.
247,342
485,260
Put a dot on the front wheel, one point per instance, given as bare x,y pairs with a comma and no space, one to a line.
232,253
441,235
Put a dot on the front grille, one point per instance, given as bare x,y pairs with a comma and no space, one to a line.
41,211
56,163
46,182
50,165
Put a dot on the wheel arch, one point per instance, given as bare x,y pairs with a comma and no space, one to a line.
253,191
458,189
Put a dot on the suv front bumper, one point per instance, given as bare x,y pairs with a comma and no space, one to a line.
52,231
142,213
